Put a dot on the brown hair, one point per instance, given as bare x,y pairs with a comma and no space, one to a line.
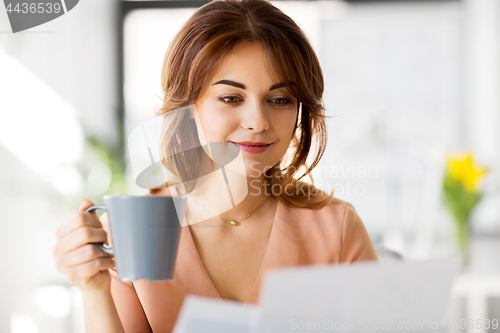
209,36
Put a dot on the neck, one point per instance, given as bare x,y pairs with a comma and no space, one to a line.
233,202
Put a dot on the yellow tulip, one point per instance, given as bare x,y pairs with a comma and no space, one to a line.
463,169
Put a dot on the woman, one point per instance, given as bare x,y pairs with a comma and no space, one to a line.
255,81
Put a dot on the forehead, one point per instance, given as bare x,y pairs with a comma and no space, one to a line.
246,61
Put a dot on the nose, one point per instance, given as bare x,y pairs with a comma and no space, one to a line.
255,118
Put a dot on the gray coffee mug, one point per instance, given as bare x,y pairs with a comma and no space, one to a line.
145,233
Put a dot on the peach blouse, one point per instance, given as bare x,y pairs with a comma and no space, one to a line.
299,236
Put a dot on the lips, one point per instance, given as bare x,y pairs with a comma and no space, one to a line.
252,147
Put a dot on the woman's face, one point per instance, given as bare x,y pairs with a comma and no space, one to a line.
243,104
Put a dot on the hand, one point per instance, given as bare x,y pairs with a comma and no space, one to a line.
83,263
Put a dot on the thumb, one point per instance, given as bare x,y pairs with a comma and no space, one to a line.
85,204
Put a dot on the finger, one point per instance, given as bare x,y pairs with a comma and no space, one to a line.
90,269
80,237
81,256
85,204
79,220
81,274
65,228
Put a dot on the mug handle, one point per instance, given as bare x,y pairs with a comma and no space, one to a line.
101,246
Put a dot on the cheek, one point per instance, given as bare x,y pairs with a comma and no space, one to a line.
216,125
284,125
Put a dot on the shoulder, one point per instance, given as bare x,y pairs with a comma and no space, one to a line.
325,222
334,211
335,226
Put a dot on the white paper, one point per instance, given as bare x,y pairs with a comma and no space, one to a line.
361,297
209,315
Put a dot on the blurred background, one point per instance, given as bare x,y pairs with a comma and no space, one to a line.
408,84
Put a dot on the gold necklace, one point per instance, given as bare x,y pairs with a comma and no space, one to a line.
232,222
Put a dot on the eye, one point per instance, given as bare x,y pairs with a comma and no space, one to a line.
281,101
230,99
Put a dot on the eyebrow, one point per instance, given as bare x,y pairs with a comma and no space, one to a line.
242,86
